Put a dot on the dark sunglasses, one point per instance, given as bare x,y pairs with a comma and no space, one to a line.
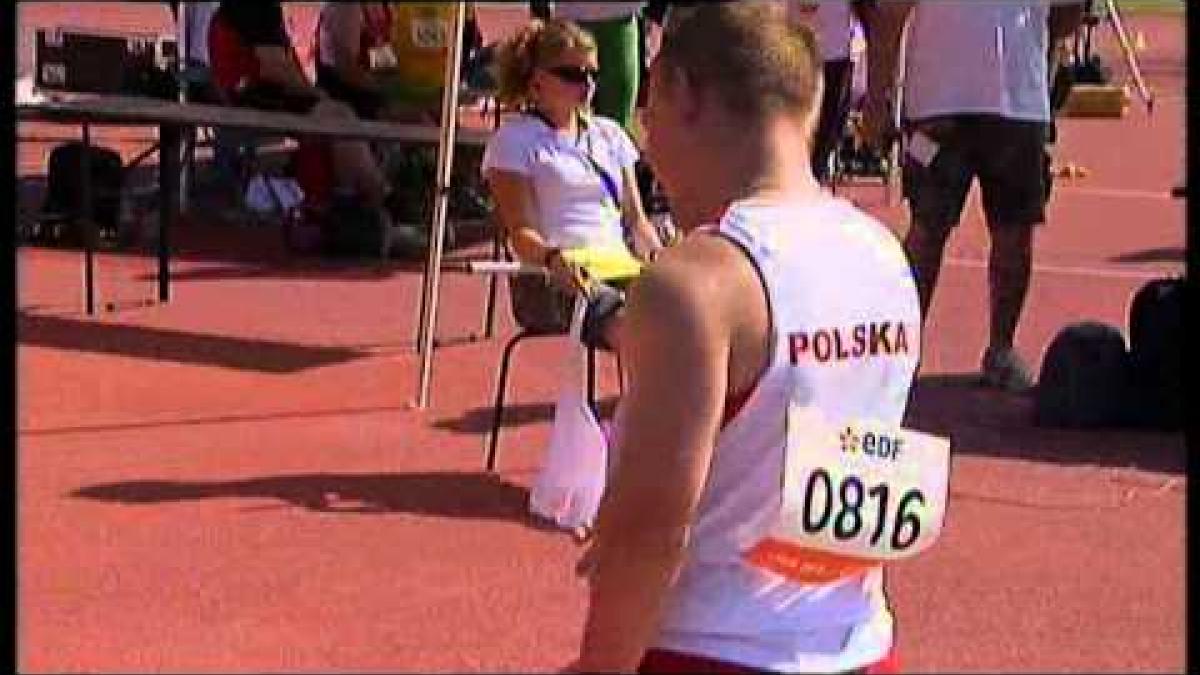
574,74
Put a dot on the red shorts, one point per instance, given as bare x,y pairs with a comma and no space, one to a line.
664,661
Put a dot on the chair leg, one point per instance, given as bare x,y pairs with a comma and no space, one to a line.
489,310
501,388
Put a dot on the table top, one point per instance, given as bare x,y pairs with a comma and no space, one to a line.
133,110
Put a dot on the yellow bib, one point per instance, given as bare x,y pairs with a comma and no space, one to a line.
420,40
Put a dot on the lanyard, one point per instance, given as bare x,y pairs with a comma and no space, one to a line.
610,185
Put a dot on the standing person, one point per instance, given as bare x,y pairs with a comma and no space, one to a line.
197,16
614,26
833,23
720,341
421,44
976,105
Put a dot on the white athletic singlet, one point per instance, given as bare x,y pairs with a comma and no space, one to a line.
840,278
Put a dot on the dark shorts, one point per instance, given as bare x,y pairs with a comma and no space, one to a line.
1008,157
665,661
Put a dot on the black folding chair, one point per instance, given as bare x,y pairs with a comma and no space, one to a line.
540,310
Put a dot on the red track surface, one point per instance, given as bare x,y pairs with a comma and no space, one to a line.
234,482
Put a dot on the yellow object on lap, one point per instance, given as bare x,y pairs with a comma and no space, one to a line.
605,264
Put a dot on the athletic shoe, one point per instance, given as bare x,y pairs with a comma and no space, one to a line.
1003,369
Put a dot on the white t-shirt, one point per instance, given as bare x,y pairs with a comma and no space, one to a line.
983,56
827,267
595,11
832,22
573,206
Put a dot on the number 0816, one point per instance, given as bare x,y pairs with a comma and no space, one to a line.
843,508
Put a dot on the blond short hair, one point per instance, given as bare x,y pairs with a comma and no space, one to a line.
746,53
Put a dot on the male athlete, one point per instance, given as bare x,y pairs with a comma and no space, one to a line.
783,306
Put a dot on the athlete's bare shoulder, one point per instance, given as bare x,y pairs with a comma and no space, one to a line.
703,298
704,272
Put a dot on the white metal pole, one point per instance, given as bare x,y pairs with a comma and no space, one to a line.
1114,18
433,267
183,48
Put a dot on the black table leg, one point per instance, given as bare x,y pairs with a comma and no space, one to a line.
169,137
87,221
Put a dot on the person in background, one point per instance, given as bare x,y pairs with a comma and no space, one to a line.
353,44
833,22
412,87
254,64
421,44
980,113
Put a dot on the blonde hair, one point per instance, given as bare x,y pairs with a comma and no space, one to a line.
747,54
536,44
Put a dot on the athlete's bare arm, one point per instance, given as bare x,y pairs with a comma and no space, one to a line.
687,316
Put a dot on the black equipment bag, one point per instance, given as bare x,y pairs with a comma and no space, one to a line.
1085,378
1156,352
61,209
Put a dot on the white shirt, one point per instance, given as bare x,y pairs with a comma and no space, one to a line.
573,207
826,266
982,56
832,23
595,11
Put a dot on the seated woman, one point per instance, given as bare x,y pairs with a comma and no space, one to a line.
562,179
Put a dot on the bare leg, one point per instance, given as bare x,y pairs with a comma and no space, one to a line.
924,248
1009,270
354,163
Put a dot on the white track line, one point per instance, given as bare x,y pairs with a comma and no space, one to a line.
1116,192
1078,270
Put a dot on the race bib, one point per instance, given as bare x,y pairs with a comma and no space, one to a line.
428,33
382,58
855,496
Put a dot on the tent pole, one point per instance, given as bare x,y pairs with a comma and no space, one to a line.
433,268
